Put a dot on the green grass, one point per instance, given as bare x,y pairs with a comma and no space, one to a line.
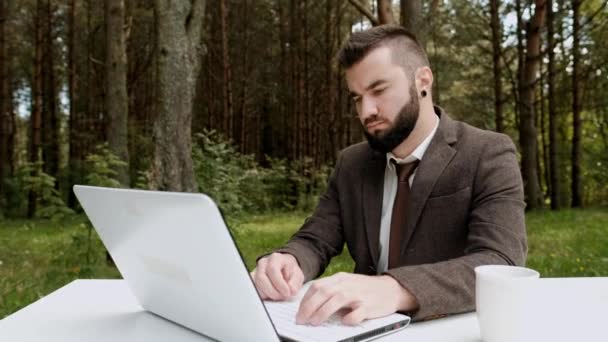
37,257
261,234
569,243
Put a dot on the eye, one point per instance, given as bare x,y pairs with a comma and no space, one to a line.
357,99
379,91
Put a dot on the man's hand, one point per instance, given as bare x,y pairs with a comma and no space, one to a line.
278,276
364,297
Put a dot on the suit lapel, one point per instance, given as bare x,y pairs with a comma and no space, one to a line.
437,156
373,188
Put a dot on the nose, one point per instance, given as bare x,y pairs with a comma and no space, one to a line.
367,108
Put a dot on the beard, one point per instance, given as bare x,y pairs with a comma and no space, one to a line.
386,141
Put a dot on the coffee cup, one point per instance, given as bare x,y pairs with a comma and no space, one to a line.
502,295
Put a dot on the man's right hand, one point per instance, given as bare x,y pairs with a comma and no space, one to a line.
278,276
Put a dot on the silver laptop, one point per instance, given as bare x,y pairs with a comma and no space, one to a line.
179,259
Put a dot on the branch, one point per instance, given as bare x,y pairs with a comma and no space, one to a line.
366,12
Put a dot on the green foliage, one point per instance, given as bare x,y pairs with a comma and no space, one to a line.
239,184
15,199
143,180
101,167
50,205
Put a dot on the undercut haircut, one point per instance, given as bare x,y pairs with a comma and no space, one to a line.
406,51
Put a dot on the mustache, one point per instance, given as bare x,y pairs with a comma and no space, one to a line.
372,119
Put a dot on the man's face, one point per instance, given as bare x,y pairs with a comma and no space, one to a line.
385,98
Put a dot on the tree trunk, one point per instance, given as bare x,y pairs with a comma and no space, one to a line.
5,99
7,114
363,9
50,95
411,13
284,81
227,71
433,30
36,113
527,127
117,101
385,12
241,124
554,184
577,186
330,84
179,25
77,72
73,163
520,59
497,68
541,160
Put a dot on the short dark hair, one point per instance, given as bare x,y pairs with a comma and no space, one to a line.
406,50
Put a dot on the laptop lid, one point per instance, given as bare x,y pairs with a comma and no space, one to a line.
179,260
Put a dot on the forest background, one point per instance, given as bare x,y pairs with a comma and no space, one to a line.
243,100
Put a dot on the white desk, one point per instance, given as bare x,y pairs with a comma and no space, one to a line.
105,310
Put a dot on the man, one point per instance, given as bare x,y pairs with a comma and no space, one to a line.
419,205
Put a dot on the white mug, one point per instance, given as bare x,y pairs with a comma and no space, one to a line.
502,296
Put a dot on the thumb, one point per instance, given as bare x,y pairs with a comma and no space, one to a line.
295,279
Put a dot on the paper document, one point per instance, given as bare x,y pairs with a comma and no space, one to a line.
283,315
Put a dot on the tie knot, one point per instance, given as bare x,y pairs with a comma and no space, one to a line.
404,171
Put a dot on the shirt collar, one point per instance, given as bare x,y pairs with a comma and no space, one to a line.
418,152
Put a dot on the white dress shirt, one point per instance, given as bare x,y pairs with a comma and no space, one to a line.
390,191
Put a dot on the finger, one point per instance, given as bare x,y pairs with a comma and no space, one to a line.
355,317
317,285
330,307
295,279
265,286
273,271
311,302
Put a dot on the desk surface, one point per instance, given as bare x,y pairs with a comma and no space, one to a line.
105,310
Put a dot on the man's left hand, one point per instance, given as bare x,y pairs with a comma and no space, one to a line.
363,297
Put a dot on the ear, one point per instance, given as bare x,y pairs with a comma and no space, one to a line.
424,79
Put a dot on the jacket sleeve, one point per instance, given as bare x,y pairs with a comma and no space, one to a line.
321,237
496,235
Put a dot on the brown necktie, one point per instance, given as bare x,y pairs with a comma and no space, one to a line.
398,218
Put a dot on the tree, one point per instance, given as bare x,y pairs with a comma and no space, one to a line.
496,53
554,184
385,12
7,115
74,158
50,123
178,62
227,72
117,101
36,112
577,191
366,12
411,12
527,119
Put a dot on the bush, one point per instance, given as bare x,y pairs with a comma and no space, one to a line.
239,184
101,167
50,205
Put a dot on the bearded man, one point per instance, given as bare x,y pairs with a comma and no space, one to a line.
419,205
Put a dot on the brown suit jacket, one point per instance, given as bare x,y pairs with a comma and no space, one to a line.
466,209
